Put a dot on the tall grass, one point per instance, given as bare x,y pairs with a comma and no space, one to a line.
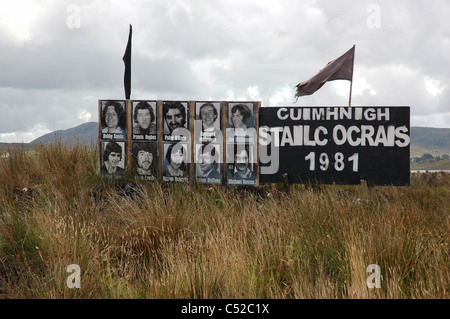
173,241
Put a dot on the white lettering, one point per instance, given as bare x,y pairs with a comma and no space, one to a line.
287,137
370,114
282,117
367,134
400,132
352,142
307,141
298,116
341,129
317,136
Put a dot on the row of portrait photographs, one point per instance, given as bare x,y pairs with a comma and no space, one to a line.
175,115
112,158
241,164
113,120
240,161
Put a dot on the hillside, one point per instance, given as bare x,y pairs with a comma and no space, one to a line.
86,134
439,137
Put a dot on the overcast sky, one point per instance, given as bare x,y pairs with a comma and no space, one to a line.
58,58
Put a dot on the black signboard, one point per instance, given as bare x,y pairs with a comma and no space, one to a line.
341,145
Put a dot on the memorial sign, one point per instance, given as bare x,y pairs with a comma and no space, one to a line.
341,145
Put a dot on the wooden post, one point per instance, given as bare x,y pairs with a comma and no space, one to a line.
286,182
191,146
99,144
159,139
256,115
129,134
223,127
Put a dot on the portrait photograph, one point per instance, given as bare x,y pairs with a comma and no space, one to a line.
145,159
144,120
208,163
240,164
209,113
113,120
175,116
112,158
175,162
241,115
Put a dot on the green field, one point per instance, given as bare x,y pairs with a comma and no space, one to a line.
180,241
439,165
417,150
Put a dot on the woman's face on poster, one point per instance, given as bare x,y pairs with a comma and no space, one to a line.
176,158
111,117
237,118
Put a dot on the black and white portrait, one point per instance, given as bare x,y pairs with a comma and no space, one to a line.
175,116
175,162
144,120
241,115
209,113
145,159
113,120
241,123
241,170
113,158
207,164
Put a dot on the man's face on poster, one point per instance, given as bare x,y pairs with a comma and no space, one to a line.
111,117
208,115
205,161
114,159
242,160
145,159
144,118
174,119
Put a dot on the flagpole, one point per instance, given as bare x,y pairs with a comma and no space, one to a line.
351,81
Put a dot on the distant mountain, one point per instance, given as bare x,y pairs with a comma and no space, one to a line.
85,134
432,136
435,141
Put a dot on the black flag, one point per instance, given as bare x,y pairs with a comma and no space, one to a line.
127,60
339,69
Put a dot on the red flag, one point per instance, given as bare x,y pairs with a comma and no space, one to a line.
339,69
127,60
